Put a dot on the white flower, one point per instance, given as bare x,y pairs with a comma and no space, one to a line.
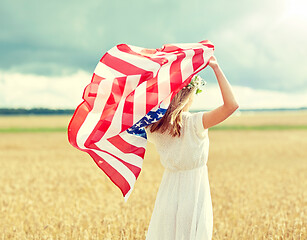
197,82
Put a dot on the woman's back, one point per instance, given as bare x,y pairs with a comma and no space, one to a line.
188,151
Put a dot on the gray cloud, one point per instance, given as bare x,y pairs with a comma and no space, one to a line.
253,44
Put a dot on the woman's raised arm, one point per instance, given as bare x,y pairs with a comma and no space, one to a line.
219,114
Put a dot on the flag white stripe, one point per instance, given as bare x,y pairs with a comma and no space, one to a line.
128,194
137,49
155,108
187,65
103,70
163,79
130,158
139,103
140,49
134,140
165,103
207,55
189,45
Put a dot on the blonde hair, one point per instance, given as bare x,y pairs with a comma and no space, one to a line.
172,119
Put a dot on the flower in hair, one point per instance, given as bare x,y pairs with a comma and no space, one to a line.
196,82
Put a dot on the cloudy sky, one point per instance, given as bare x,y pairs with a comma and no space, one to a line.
49,49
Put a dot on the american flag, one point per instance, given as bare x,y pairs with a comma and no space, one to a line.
131,88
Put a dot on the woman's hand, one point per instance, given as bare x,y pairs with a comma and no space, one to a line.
213,62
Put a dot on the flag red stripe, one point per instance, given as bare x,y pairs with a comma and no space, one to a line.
198,58
151,94
76,122
121,65
96,78
170,48
125,48
126,147
175,72
207,44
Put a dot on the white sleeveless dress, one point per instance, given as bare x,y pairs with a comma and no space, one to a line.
183,207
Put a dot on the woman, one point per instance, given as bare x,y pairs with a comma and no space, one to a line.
183,207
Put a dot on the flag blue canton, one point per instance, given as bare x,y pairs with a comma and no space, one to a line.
149,118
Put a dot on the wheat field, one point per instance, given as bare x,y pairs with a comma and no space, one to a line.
50,190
